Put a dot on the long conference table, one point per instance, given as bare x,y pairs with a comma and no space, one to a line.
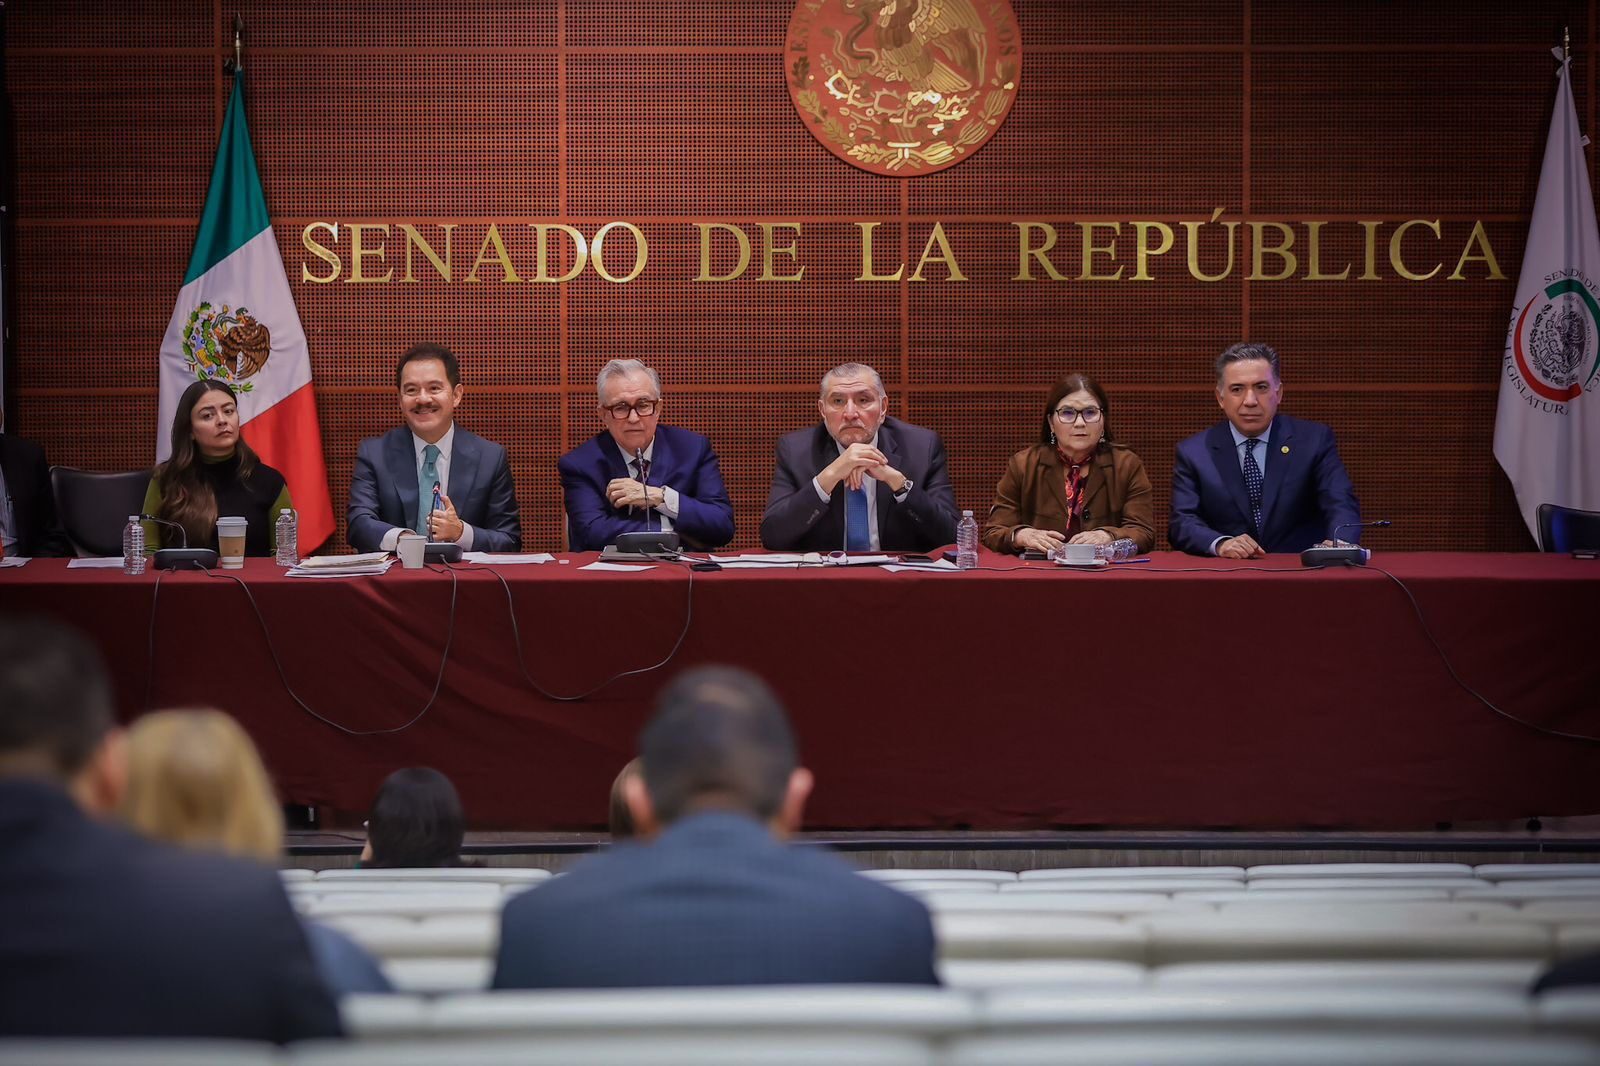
1175,692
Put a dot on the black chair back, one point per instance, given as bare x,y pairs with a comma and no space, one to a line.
1565,529
93,507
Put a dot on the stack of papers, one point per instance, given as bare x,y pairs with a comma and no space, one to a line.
343,565
14,560
98,562
507,558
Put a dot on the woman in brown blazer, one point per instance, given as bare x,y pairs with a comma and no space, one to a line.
1075,486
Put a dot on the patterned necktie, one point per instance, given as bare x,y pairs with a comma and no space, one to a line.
1252,481
427,478
858,535
641,467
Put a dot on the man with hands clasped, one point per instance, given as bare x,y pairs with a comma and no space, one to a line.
860,480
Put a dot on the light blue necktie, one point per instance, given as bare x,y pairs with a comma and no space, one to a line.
1252,481
427,478
858,535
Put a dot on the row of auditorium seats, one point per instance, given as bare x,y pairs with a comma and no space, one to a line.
1371,1020
436,931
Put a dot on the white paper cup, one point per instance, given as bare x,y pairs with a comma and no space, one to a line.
410,548
230,541
1080,554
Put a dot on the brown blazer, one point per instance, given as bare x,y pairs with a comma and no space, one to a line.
1033,494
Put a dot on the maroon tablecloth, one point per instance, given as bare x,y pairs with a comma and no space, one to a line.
1172,693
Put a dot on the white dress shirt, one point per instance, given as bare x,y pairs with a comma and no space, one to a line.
869,487
1239,453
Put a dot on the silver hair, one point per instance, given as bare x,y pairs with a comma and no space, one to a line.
852,370
621,368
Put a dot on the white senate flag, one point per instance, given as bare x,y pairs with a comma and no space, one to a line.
1547,428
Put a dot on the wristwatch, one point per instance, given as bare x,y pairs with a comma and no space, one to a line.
904,490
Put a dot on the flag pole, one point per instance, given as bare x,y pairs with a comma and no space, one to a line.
236,64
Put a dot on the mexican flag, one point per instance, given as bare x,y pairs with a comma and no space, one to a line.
236,321
1547,427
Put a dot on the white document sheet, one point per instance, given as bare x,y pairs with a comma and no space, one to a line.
616,568
507,559
14,560
112,562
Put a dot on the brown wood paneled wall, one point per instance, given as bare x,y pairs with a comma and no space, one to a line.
675,111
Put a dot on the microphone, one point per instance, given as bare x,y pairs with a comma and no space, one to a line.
638,460
184,558
1352,556
183,533
1377,523
438,505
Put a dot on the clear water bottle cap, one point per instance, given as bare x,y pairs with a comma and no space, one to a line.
286,511
133,518
966,514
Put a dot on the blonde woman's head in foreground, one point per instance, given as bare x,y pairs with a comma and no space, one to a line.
195,779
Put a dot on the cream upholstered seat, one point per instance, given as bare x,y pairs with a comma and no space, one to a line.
1240,1007
388,1016
1406,870
832,1009
404,904
436,976
1107,904
1187,1047
1507,975
1535,871
1124,873
636,1049
1318,895
1388,884
1186,938
501,875
136,1052
1020,936
1097,975
1166,885
940,875
1574,1009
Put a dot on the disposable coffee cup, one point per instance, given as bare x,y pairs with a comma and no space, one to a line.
230,541
410,548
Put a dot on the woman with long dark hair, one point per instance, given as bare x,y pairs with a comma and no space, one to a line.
416,822
213,472
1075,486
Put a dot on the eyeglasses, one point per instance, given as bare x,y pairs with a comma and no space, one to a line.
644,409
839,401
1069,415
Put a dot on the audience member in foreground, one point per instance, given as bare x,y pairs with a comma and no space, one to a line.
1583,971
195,779
717,897
416,822
105,933
1074,486
620,819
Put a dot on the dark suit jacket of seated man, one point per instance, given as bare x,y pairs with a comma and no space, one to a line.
1306,496
716,898
106,934
806,514
474,474
33,526
601,483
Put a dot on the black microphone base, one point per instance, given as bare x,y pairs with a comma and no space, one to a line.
184,559
443,551
646,543
1315,557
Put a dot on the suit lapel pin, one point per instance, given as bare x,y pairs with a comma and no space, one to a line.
1285,449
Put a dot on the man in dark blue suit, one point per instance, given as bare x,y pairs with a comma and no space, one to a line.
106,934
391,489
716,897
636,474
1259,481
859,480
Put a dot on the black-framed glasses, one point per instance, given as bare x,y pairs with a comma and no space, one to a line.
644,409
1069,415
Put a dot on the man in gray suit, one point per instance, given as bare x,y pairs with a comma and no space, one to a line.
391,489
716,897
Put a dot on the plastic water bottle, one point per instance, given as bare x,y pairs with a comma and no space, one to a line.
1117,550
133,546
288,538
967,542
